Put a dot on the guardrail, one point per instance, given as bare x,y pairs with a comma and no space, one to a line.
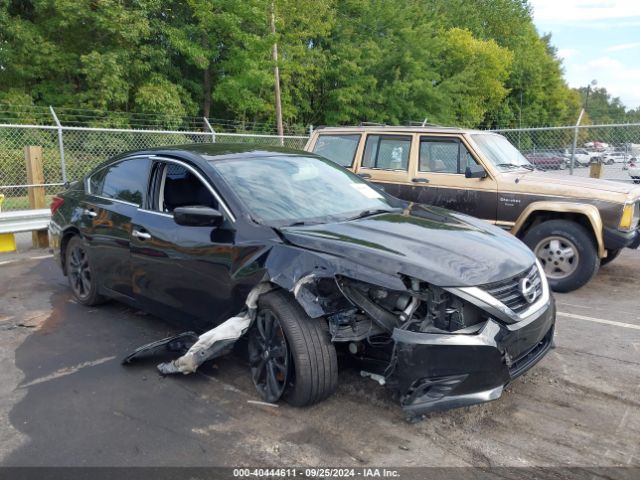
24,220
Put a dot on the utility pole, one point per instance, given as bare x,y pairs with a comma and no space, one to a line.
276,74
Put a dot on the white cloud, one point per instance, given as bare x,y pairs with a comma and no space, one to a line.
566,52
623,46
571,11
619,80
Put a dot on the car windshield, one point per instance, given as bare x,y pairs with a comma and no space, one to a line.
500,152
298,190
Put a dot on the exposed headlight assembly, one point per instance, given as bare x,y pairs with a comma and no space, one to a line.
421,308
630,216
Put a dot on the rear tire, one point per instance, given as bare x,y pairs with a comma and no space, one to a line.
80,273
611,256
312,366
566,251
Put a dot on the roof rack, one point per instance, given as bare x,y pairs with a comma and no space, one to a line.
392,127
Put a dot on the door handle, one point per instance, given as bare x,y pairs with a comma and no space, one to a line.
89,212
364,175
141,235
420,180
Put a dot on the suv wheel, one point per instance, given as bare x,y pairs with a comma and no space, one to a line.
290,354
81,275
566,251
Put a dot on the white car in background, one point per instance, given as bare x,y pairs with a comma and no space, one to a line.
582,156
609,158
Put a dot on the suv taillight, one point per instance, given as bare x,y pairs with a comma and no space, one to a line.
56,203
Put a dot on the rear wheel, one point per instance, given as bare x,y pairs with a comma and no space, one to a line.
82,277
611,256
566,251
290,354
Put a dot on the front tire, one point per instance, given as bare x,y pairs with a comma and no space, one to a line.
566,251
80,273
290,354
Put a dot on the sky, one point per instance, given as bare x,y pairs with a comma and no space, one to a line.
597,40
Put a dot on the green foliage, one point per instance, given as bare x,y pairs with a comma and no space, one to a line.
469,63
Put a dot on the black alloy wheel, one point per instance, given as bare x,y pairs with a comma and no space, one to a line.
269,356
82,278
79,271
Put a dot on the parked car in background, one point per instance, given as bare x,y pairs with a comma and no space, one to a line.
616,156
573,224
547,160
441,307
582,157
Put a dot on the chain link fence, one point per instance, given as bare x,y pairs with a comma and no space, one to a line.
84,148
571,150
69,152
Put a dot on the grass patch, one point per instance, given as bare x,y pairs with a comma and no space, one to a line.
22,203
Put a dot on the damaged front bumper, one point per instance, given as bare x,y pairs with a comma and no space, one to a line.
442,371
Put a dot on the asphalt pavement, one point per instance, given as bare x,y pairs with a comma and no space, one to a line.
65,399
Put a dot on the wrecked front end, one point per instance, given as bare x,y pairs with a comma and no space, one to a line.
439,348
436,347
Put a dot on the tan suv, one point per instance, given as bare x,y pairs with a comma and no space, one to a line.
573,225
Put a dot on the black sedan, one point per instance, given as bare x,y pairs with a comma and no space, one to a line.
306,258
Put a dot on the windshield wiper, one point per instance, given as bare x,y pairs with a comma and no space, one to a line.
516,165
374,211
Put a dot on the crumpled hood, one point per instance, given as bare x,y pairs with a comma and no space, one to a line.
573,185
431,244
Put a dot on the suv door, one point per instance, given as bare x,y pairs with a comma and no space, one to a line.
385,161
181,272
115,193
439,178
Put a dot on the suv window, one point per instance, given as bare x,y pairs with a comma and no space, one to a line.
444,156
126,181
387,152
340,149
181,188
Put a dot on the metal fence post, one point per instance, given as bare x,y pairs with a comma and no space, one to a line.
63,165
213,132
575,143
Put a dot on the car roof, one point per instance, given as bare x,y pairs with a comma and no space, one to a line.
205,152
217,151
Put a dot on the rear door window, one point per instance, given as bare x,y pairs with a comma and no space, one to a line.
387,152
340,149
125,181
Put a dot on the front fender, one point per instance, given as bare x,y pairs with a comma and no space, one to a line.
589,211
307,274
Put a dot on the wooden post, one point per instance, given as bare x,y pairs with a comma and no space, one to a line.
595,169
35,176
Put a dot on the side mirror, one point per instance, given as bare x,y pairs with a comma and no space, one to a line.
475,171
197,216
